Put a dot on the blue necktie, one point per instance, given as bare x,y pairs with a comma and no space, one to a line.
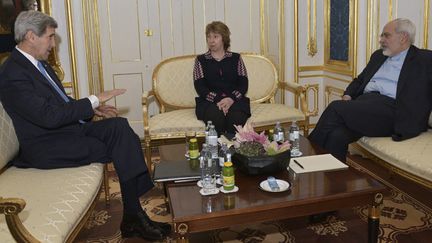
55,86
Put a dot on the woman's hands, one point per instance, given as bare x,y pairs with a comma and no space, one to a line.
225,104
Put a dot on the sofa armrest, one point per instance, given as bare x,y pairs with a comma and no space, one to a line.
300,91
11,207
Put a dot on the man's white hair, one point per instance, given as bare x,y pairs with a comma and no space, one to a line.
406,26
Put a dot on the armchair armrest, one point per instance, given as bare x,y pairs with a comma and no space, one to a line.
11,207
300,91
146,99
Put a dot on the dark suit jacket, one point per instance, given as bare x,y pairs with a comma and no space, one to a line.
47,127
413,94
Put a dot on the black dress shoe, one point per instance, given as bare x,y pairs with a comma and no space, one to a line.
164,227
139,226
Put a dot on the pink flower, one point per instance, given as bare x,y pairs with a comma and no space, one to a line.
248,134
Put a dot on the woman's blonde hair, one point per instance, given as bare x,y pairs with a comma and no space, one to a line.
219,27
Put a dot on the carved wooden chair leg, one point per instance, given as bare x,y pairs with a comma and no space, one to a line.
148,156
106,185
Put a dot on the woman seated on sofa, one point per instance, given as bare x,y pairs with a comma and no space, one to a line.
221,81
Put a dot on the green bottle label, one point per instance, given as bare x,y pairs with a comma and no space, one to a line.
193,154
228,183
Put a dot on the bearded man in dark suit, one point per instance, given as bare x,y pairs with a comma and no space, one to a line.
392,96
56,131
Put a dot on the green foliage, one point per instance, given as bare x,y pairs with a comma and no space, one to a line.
251,148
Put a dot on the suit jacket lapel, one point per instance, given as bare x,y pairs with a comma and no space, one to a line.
22,60
406,69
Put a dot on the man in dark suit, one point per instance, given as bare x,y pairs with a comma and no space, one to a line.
391,97
56,131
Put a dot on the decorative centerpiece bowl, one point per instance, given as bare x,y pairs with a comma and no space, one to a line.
263,164
255,154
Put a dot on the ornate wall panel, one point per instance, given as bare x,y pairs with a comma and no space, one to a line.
339,30
340,36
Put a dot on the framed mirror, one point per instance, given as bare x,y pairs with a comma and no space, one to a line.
9,10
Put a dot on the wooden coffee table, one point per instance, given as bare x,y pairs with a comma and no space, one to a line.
310,193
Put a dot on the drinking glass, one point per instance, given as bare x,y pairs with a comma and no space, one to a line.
208,184
188,136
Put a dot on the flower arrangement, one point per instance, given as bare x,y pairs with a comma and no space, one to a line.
250,143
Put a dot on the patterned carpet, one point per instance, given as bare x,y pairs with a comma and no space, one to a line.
403,219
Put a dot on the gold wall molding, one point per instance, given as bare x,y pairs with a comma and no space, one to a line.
53,59
324,76
326,69
92,40
425,23
311,34
263,47
314,88
72,55
390,10
296,52
281,25
372,31
331,90
311,68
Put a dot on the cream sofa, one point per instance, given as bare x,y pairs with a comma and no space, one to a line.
411,158
43,205
174,92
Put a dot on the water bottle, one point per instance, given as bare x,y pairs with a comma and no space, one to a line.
278,133
294,137
212,142
204,157
209,123
223,154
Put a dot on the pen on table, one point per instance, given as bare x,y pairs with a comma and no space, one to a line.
301,166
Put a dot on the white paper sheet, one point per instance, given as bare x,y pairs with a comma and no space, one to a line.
322,162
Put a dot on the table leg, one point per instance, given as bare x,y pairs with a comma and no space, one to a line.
166,197
181,232
373,219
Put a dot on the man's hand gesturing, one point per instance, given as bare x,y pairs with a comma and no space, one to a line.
109,94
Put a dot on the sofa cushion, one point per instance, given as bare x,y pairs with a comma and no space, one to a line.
55,199
178,121
268,114
8,140
175,123
412,155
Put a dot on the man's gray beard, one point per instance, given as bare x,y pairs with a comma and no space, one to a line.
385,51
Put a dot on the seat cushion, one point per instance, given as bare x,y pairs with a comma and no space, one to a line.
56,200
268,114
175,123
412,155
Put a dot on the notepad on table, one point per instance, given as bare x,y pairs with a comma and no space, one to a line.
314,163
